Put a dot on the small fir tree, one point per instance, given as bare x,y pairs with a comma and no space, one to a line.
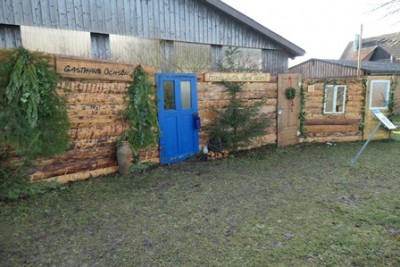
237,124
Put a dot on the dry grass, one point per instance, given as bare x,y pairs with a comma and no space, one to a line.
299,206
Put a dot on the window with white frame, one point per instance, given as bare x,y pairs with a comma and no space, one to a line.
379,94
335,99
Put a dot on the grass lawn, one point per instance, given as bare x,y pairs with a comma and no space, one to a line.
298,206
395,134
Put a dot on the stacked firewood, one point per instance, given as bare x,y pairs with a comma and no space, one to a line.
214,155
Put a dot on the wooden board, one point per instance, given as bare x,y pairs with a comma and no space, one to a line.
288,111
89,69
332,128
236,77
338,121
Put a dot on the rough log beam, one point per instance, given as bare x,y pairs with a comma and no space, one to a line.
332,122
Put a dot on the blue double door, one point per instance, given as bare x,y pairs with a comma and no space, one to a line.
178,117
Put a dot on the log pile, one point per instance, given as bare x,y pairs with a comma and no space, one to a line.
214,155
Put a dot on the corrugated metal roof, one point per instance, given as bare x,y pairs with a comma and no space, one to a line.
332,68
368,66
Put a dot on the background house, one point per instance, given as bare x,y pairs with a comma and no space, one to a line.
379,48
332,68
172,35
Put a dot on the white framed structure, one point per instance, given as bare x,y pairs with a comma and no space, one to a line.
379,94
335,99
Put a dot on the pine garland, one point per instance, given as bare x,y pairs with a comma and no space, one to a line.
33,116
141,113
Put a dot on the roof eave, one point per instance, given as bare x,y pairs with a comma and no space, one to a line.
290,48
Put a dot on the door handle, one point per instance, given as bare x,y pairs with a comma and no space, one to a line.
197,121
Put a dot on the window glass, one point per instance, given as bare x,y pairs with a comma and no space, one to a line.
340,98
169,96
329,94
335,99
186,95
56,41
379,94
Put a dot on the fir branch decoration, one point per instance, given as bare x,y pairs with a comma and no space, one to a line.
33,116
141,113
392,98
290,93
303,113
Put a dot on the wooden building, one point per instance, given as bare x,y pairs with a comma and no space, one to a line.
339,99
171,35
378,48
330,68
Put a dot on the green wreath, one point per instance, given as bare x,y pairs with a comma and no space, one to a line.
290,93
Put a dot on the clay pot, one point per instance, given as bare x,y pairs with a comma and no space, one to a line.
124,158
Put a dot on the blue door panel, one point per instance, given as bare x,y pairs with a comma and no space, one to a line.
179,136
186,130
170,137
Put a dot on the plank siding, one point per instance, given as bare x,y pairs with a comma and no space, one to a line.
181,20
315,69
10,36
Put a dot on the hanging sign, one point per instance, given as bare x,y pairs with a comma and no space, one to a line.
236,77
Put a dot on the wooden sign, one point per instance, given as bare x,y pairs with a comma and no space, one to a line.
93,69
236,77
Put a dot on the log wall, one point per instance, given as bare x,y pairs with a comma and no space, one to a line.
214,95
95,100
94,104
344,127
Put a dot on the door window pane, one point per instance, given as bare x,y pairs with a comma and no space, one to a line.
379,94
186,95
169,96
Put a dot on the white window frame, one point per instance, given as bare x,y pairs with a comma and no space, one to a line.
335,95
386,100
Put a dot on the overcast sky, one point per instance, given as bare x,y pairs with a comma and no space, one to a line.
321,27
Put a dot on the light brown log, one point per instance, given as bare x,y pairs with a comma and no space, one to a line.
332,121
333,139
95,142
76,87
100,120
83,175
331,128
78,154
98,131
88,99
71,167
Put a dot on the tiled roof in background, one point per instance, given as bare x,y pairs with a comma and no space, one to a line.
389,42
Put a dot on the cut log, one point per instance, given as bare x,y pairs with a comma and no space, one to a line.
83,175
338,121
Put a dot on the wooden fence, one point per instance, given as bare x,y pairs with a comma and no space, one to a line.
97,95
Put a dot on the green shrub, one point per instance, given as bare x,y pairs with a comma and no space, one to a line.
33,116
